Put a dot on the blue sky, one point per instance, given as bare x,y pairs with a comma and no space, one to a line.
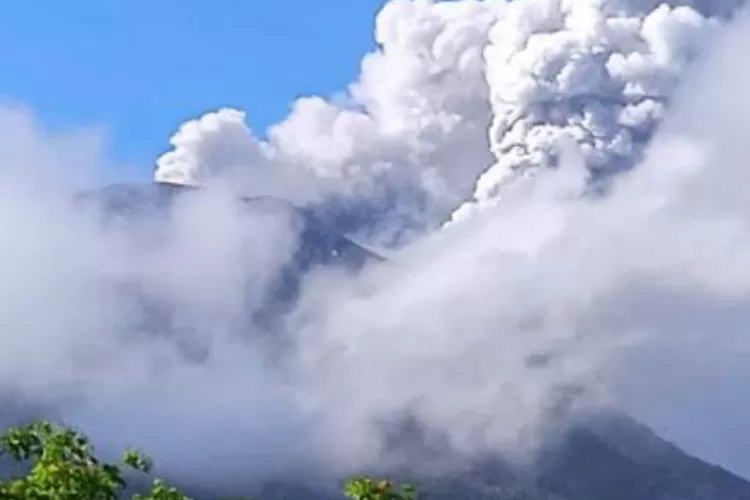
141,67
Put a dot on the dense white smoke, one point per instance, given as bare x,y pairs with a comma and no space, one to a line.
639,295
463,95
582,72
415,125
492,89
476,330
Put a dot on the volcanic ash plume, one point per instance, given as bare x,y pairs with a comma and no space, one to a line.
411,138
582,74
482,332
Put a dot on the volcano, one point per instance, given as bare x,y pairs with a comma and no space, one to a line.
606,456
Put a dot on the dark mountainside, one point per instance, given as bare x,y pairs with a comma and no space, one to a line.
317,243
322,244
608,456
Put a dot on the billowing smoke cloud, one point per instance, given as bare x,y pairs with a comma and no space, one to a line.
638,296
460,98
415,125
479,330
583,73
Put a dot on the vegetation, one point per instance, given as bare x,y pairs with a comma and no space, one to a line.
62,465
368,489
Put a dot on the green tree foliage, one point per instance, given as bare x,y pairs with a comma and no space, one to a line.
369,489
63,466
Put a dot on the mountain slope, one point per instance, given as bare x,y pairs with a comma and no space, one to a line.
615,457
316,245
322,244
607,457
